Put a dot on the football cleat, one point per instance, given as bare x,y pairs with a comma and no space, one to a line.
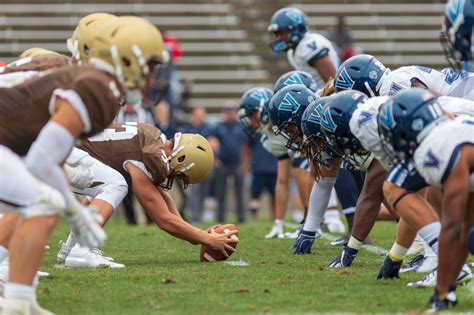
390,269
63,253
429,281
85,258
437,304
304,242
421,264
22,307
5,267
334,223
344,258
276,231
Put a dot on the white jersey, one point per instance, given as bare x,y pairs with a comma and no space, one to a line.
439,151
457,106
446,82
311,47
364,126
275,144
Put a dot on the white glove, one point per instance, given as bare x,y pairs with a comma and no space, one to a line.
81,175
85,226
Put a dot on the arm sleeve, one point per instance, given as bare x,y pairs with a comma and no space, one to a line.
318,203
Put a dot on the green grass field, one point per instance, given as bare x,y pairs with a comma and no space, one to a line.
164,276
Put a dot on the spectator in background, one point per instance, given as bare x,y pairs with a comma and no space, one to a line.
197,193
163,119
263,167
343,39
229,137
173,95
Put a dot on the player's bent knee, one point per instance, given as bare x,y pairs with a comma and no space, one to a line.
113,193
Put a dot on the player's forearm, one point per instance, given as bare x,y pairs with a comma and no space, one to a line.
179,228
452,255
368,205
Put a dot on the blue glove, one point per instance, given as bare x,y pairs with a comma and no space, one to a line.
304,242
470,241
438,305
390,269
344,258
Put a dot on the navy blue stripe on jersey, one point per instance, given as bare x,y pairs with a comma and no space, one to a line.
323,53
453,160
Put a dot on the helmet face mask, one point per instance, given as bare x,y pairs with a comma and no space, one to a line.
286,111
456,34
190,161
335,120
253,112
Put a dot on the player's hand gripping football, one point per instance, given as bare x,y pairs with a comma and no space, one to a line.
84,224
222,242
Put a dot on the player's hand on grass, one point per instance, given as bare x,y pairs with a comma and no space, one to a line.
223,242
390,269
304,242
344,258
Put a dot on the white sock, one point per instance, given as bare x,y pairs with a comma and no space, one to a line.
354,243
397,252
332,215
18,291
3,253
349,210
430,233
318,203
279,223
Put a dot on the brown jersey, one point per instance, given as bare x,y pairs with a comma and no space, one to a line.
130,142
38,63
25,108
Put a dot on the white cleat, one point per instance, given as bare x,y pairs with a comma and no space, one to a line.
333,222
429,281
63,253
4,268
22,307
277,231
85,258
292,235
421,264
101,253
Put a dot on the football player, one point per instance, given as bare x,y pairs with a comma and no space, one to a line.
53,110
150,163
306,51
367,74
411,126
253,114
361,138
33,62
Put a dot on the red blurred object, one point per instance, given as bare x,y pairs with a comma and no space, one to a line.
174,47
348,52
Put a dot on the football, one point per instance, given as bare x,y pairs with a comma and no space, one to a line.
208,254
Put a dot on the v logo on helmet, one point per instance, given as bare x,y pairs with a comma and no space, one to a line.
288,103
327,122
453,9
315,116
293,79
259,95
386,117
294,16
344,81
